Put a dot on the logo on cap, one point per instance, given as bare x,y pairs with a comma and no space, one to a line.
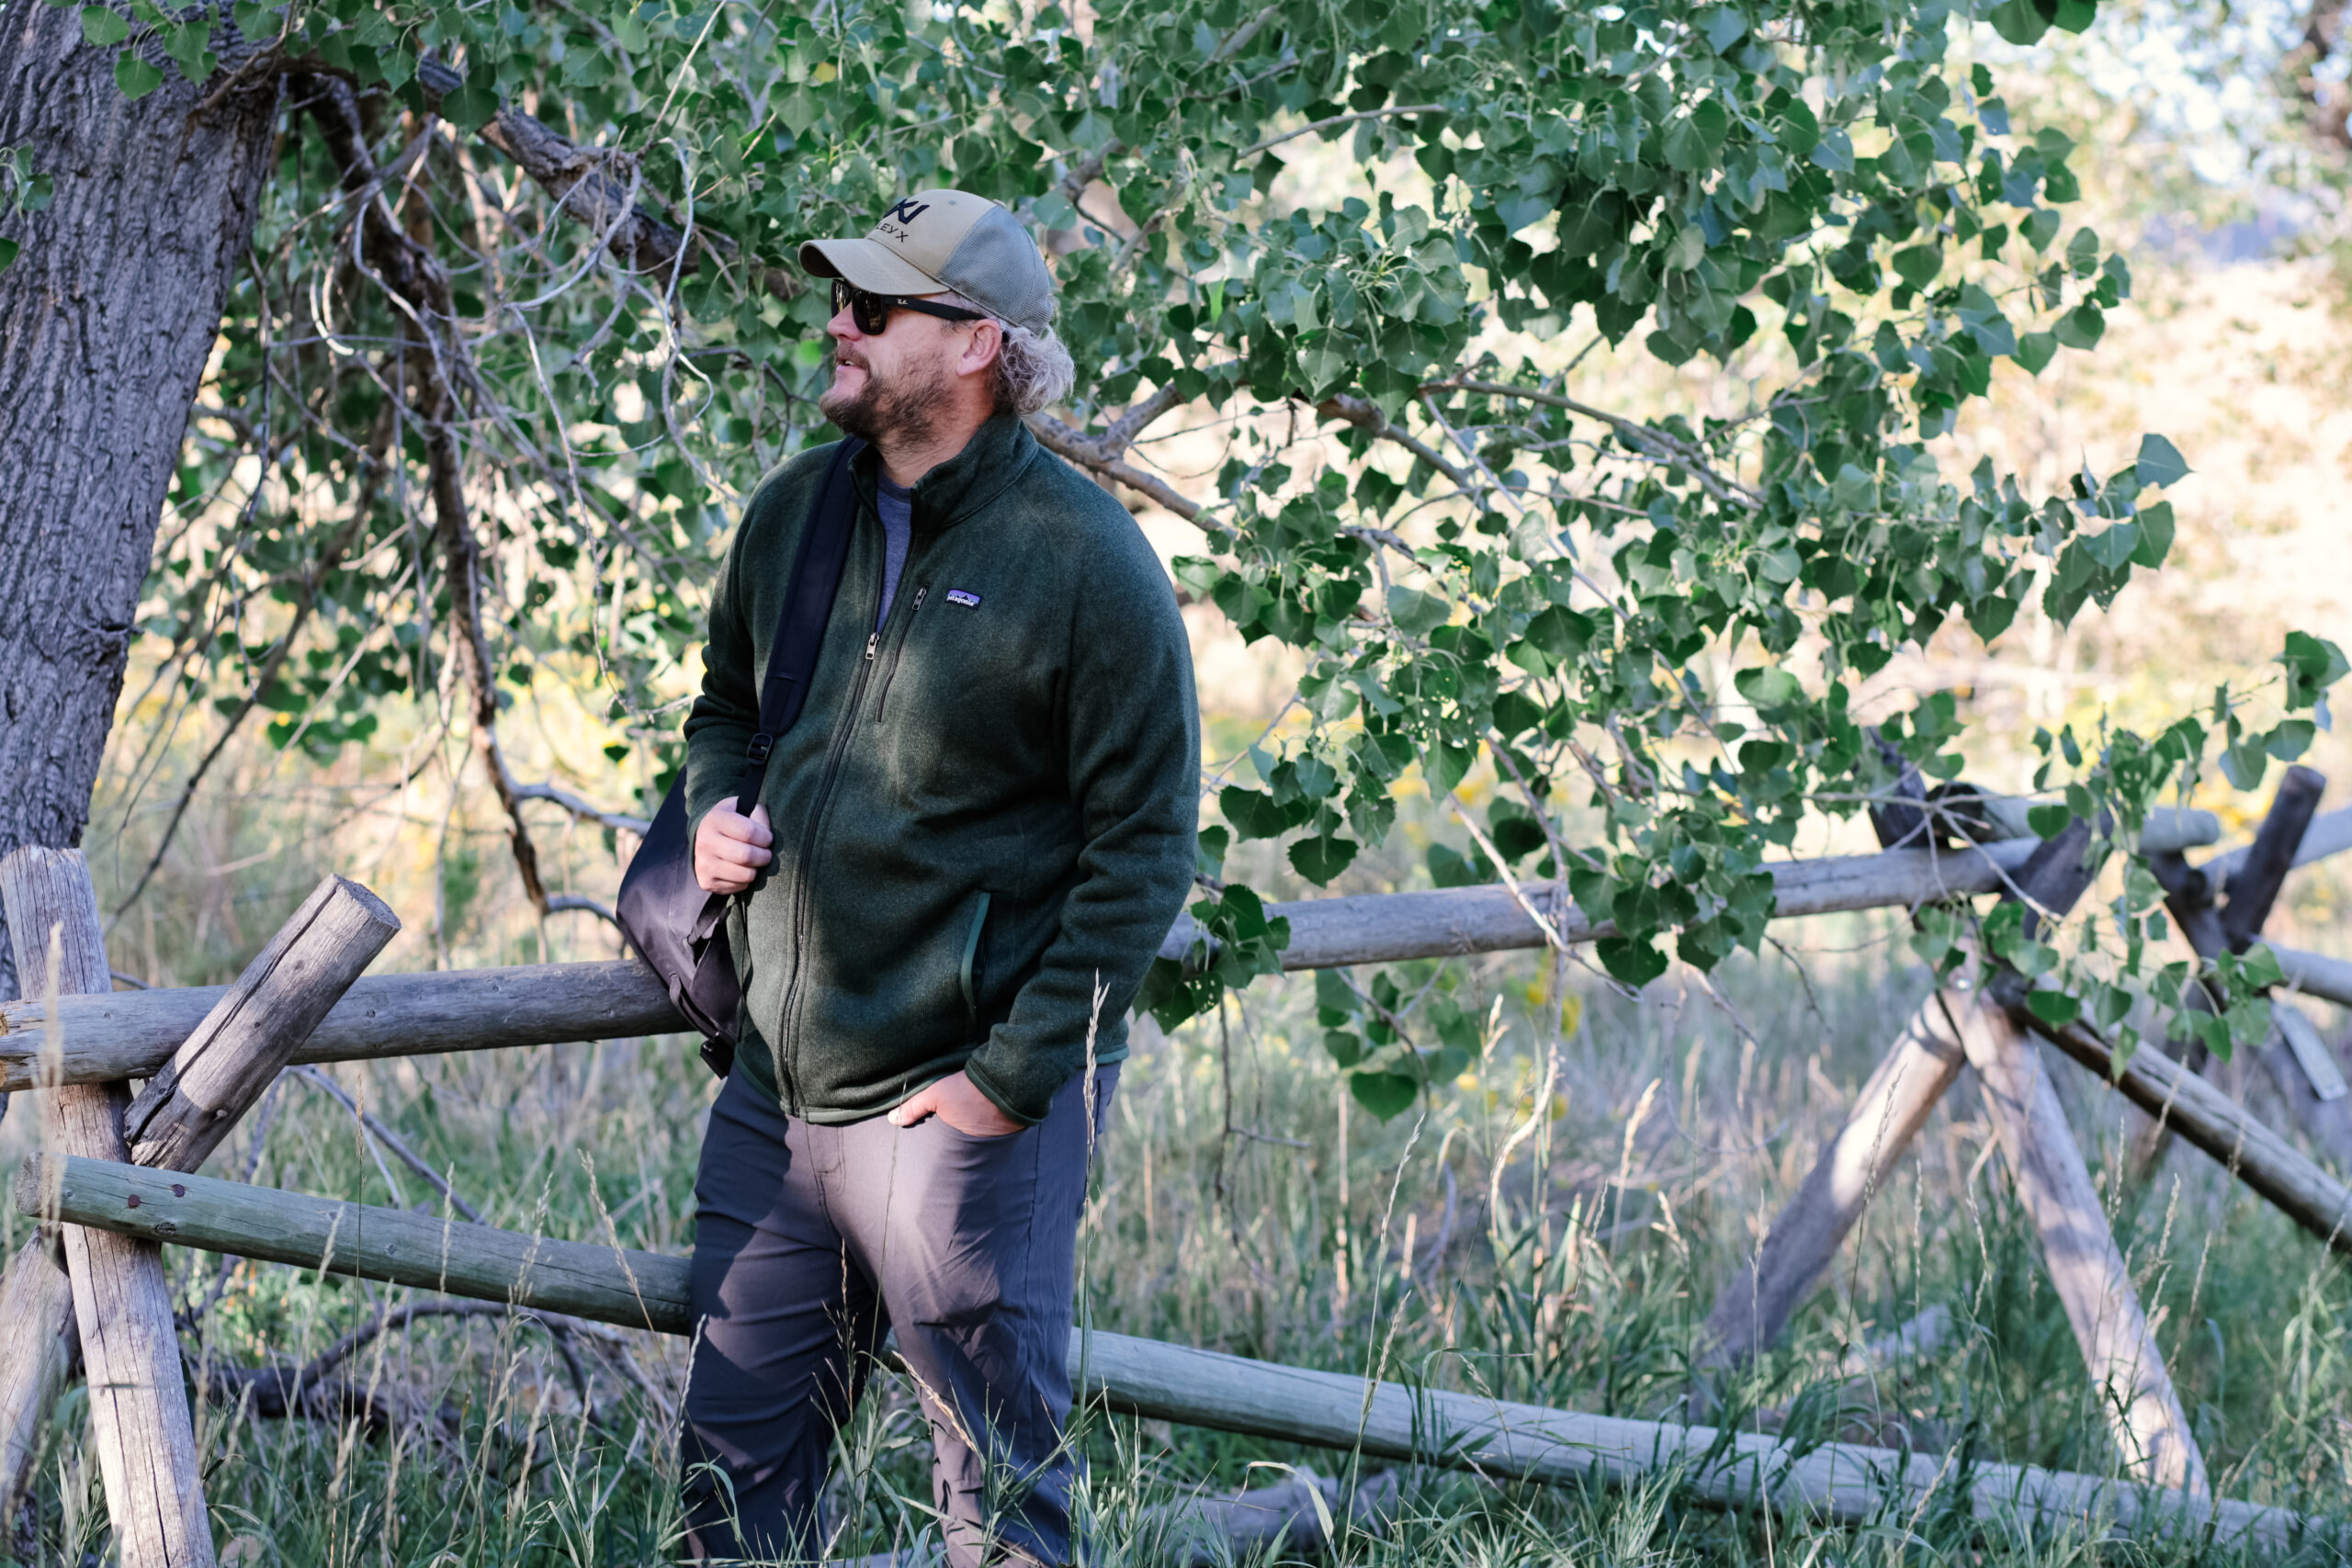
908,209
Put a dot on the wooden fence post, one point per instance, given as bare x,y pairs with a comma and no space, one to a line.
185,1111
2254,875
37,1336
2056,1187
189,1107
1754,1305
139,1411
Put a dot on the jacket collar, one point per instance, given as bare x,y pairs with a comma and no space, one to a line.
995,456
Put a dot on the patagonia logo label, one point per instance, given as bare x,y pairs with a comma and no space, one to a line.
957,596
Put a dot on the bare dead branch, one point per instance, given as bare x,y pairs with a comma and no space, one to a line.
587,811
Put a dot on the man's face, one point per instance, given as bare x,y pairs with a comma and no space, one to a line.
891,385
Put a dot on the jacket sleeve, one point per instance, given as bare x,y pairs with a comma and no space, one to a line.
724,717
1135,755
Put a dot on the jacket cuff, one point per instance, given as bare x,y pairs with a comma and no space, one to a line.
986,1083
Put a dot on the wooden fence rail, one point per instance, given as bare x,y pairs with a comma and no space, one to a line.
1148,1378
130,1034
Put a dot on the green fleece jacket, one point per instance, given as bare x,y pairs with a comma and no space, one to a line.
984,818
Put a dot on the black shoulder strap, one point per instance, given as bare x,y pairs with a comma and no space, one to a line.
801,628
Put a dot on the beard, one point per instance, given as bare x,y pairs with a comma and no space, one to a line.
903,410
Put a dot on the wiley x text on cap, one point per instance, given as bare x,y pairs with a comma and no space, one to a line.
937,242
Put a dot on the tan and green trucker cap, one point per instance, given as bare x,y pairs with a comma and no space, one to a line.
935,241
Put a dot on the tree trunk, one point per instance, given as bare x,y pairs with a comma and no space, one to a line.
107,316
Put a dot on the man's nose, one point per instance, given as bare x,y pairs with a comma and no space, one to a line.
842,326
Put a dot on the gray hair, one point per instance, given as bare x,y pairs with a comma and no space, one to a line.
1033,369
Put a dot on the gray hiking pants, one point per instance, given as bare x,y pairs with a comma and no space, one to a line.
811,1243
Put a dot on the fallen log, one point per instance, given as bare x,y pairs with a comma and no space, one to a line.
1200,1388
130,1034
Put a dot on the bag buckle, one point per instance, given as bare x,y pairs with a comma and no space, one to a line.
762,744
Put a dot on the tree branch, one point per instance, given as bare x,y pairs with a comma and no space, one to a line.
1333,123
1088,452
1653,441
587,185
587,811
1365,415
419,288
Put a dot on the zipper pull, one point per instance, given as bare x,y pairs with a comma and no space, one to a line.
872,638
918,593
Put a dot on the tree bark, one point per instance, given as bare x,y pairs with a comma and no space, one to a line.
107,316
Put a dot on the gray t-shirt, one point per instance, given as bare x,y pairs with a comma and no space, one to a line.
897,510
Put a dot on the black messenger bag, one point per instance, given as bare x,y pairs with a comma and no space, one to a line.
677,927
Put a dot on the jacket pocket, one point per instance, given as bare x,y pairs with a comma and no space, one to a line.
971,974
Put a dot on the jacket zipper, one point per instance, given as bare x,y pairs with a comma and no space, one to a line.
801,916
898,648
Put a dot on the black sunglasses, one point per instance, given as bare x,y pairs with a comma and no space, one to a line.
871,311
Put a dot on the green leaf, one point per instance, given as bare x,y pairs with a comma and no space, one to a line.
2155,534
1448,868
1417,614
1918,265
2114,546
2159,463
7,253
2314,664
2018,22
1322,858
1630,963
1560,632
470,107
2036,350
1252,812
1386,1095
1770,690
2083,326
102,29
2055,1008
135,76
2048,820
2290,739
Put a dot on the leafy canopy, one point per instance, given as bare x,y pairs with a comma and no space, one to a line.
1799,237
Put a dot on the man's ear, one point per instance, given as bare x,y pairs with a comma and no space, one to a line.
980,349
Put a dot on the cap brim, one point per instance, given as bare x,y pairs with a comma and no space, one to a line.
868,264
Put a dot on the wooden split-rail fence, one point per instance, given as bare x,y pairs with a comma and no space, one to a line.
116,1181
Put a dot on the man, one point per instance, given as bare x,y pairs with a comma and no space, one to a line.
963,858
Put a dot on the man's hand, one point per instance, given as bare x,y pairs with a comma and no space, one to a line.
729,849
956,1101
